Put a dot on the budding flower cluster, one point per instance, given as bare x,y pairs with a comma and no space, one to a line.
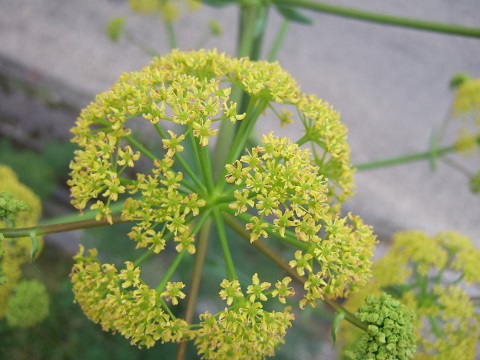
391,331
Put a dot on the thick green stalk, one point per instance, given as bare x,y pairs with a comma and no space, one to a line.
192,299
205,164
227,255
427,155
448,29
255,110
252,21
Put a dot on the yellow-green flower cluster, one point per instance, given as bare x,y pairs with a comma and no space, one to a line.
475,183
466,107
29,304
328,138
277,188
467,100
290,198
16,252
122,303
168,9
391,331
245,330
431,275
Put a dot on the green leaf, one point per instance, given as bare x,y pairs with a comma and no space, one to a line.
336,325
35,247
293,15
458,80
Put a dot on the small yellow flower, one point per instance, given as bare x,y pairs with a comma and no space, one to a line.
256,289
301,262
173,292
282,290
231,291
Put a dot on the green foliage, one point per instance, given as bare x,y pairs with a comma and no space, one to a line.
10,207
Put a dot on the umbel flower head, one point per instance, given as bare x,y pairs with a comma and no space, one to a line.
431,275
19,207
278,190
466,109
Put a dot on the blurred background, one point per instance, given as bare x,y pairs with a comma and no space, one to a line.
390,85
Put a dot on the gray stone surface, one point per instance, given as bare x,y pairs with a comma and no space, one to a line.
390,84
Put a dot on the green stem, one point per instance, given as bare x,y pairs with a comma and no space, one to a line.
182,162
252,21
303,139
195,281
140,147
57,228
277,43
86,215
381,18
460,168
276,258
170,271
224,243
144,257
172,39
242,137
206,166
427,155
250,27
140,44
225,137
